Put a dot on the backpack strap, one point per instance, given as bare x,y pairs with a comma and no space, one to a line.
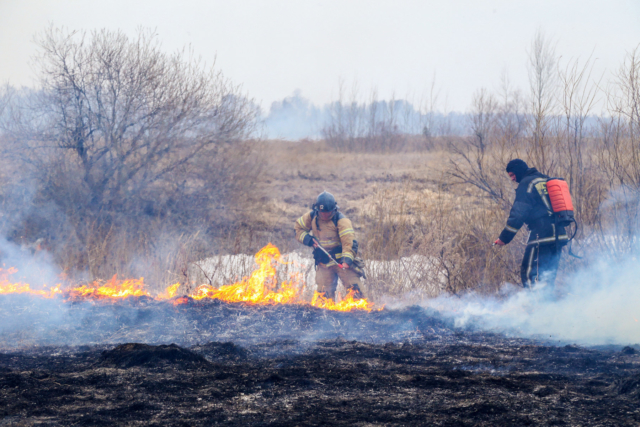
337,217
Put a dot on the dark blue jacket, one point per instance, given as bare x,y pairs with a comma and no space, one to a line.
532,207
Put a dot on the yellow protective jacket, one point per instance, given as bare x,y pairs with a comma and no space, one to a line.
333,234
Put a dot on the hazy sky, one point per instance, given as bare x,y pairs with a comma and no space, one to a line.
276,47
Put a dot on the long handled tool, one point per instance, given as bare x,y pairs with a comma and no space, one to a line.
328,254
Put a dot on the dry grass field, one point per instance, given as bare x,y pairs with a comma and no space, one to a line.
296,172
402,205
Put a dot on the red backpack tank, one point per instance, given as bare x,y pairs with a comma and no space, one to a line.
560,199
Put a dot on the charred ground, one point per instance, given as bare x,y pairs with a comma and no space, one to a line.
295,365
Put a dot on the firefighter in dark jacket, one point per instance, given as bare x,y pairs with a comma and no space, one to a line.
325,225
533,208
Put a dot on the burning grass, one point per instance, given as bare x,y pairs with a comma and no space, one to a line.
261,287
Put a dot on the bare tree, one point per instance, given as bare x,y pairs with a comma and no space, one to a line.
373,114
428,113
473,160
5,94
543,83
335,129
626,105
128,113
511,119
578,98
618,155
125,141
371,125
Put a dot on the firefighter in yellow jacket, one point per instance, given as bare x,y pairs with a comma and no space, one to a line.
324,225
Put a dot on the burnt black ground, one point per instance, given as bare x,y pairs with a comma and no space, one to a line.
277,372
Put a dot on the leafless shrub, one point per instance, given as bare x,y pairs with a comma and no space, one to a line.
437,244
479,160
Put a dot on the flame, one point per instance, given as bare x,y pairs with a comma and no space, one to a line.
114,288
6,287
347,304
169,293
261,287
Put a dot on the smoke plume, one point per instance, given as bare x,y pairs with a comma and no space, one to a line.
600,305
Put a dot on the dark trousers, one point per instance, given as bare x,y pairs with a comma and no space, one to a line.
540,263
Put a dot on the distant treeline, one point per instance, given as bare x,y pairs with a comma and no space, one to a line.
296,117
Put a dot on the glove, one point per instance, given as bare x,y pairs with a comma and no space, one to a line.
308,240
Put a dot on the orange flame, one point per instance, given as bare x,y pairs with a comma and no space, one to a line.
6,287
169,293
261,287
347,304
111,289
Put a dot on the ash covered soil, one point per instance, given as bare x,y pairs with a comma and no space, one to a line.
233,364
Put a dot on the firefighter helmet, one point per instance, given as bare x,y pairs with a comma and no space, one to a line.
325,202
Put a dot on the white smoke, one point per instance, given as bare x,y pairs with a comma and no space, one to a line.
600,305
34,266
